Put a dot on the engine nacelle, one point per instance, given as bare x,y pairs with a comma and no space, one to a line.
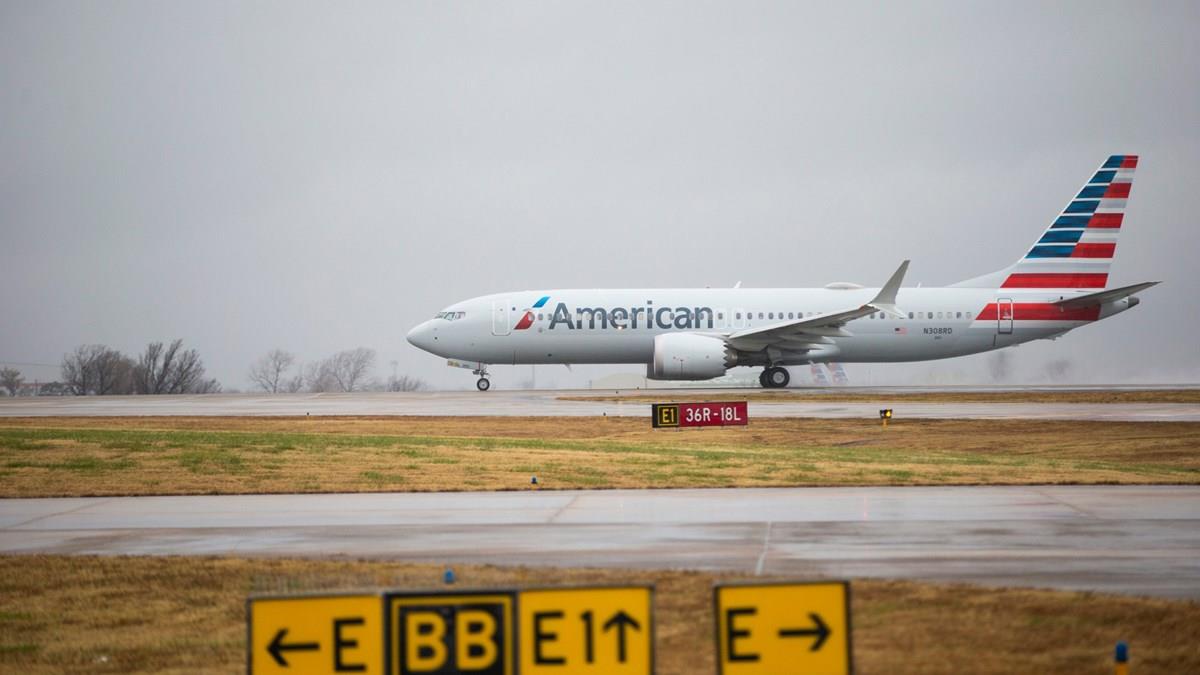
688,356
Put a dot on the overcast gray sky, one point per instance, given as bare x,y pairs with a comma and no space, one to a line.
323,176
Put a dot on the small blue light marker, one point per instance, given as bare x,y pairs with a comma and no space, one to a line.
448,576
1122,658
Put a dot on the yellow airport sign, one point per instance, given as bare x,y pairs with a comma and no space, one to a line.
783,628
586,630
448,633
315,634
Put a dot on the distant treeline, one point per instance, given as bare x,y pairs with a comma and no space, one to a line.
350,370
98,370
94,370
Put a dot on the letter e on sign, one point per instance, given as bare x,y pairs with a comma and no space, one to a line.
784,628
665,415
586,631
447,633
315,634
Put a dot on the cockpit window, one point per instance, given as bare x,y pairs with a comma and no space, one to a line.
450,316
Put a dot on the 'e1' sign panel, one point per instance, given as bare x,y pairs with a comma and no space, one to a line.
724,414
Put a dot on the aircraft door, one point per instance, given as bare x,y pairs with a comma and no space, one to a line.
500,318
1004,316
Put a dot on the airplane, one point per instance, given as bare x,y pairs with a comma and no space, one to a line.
698,334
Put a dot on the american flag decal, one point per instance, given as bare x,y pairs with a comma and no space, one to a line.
901,330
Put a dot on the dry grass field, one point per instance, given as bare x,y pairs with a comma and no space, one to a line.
825,394
63,614
42,457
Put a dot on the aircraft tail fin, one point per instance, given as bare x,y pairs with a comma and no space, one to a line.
1076,251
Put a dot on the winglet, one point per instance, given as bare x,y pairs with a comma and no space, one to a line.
885,300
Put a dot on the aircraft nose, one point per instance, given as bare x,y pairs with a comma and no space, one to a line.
421,336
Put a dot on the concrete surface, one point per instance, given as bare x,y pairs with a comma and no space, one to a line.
547,403
1141,540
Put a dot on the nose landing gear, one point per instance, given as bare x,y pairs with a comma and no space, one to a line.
774,377
483,383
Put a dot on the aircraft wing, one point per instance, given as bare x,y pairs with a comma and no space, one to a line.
815,330
1091,299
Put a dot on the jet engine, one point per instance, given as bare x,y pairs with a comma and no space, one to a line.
688,356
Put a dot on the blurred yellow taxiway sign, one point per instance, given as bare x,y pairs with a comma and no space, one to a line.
779,629
586,630
444,633
316,634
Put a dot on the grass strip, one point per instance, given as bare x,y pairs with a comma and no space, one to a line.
65,614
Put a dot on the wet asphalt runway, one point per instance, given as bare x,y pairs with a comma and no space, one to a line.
547,403
1141,540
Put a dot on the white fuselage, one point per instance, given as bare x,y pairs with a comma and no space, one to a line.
619,326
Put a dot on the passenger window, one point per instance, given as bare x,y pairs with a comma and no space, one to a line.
771,315
789,315
720,315
910,315
959,316
737,315
760,315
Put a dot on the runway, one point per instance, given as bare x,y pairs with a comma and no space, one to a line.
549,403
1141,540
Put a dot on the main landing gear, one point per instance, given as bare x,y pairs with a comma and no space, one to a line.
774,377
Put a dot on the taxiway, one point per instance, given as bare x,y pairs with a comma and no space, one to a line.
550,403
1141,540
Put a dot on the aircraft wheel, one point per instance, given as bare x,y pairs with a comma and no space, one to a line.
762,380
776,377
483,384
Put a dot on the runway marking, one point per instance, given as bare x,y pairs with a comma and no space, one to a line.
762,557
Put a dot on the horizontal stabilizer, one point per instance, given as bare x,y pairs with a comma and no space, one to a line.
1092,299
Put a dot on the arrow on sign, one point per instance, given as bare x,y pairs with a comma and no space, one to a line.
821,632
277,648
621,620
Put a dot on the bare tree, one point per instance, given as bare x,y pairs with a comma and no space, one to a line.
406,383
78,367
10,379
268,371
209,386
293,384
171,370
114,373
96,369
316,377
350,368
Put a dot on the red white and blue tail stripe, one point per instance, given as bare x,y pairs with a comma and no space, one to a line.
1076,251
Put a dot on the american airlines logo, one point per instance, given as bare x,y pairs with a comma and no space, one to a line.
527,318
620,318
